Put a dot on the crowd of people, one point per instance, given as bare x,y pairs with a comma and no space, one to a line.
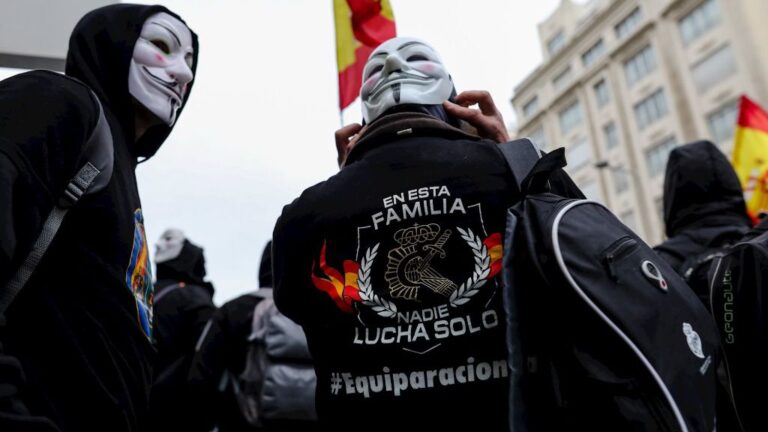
384,299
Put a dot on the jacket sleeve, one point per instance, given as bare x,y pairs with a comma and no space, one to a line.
8,176
45,119
288,269
14,415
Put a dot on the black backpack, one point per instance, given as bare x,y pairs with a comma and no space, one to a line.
602,334
736,283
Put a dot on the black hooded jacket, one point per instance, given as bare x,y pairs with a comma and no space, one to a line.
183,306
81,328
390,266
220,352
704,205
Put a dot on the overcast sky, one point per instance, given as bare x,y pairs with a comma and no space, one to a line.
259,125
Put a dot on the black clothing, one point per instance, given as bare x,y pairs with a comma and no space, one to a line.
389,266
81,328
265,268
183,306
188,267
222,355
100,52
703,204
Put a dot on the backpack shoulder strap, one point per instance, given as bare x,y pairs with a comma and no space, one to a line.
93,175
521,156
533,170
261,314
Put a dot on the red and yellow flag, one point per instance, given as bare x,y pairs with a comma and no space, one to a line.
361,25
750,155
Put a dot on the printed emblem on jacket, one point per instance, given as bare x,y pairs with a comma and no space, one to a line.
422,275
138,276
428,270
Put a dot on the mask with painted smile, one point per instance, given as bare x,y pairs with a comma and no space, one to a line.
169,246
161,66
403,70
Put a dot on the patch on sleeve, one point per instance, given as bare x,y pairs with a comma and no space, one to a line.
138,276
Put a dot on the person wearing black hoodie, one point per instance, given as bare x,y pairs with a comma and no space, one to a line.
77,348
704,205
391,265
221,356
183,304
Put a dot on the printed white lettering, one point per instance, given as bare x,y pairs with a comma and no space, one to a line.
461,374
361,383
391,338
431,378
447,376
417,380
348,383
483,371
401,383
416,203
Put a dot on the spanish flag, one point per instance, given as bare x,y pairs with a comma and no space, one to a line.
361,25
750,156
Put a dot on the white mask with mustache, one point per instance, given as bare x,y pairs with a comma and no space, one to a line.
403,70
161,66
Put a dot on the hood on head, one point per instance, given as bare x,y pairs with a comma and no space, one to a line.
265,268
701,187
188,266
100,51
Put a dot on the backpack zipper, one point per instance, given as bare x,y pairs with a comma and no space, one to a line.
715,277
624,244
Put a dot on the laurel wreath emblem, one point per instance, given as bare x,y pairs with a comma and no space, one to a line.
480,274
381,306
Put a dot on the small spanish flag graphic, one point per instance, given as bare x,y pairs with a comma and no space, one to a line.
750,156
361,26
342,288
493,243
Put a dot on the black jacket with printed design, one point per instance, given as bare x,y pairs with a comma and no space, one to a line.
391,266
76,351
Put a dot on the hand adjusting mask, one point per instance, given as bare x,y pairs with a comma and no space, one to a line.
400,71
161,66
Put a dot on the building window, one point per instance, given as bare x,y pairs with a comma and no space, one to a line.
562,79
591,190
611,135
538,138
579,154
620,179
601,93
705,17
629,219
628,24
656,156
650,109
531,106
640,65
570,117
556,43
593,53
723,121
715,68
